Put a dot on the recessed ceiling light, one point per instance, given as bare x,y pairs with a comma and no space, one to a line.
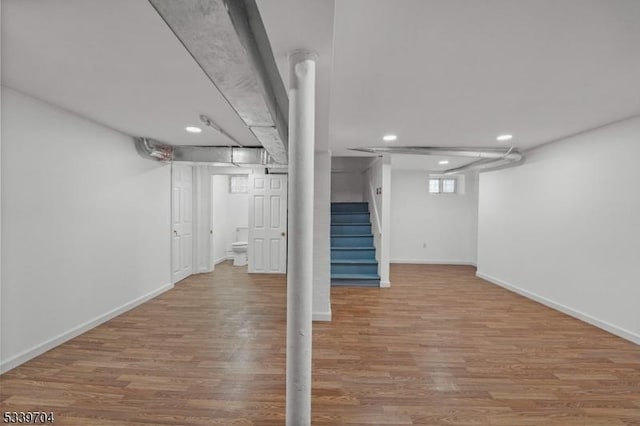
504,137
192,129
443,162
389,138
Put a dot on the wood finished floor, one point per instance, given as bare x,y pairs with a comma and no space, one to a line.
439,347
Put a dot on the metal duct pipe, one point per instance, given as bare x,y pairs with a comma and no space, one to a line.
485,165
488,158
153,150
247,21
241,156
228,41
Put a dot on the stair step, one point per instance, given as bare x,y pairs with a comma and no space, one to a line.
353,253
353,248
354,268
351,229
352,241
355,261
346,218
347,213
355,280
355,276
348,283
350,207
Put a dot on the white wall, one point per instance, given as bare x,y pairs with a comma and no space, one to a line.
347,181
321,237
202,256
346,186
86,226
377,193
564,227
432,228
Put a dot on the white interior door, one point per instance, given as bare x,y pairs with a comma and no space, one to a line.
268,224
182,221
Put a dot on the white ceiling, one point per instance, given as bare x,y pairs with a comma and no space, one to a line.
435,72
115,62
459,72
426,162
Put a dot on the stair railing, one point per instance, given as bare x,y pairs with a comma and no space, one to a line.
377,228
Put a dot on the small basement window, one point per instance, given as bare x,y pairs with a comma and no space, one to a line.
238,184
442,185
434,186
448,186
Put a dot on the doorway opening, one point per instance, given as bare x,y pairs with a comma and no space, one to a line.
229,231
228,214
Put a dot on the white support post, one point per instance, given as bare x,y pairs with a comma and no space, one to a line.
300,257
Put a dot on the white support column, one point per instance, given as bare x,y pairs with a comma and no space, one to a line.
302,78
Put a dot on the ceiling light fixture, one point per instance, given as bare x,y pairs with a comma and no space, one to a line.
192,129
389,138
443,162
504,137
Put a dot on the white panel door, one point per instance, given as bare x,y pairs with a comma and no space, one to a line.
182,222
268,224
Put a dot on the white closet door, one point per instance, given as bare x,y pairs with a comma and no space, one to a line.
268,224
182,221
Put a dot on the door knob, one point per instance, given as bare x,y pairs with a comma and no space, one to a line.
283,234
175,232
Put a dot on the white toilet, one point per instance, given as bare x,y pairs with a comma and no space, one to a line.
240,246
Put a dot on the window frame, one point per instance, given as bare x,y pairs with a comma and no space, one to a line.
437,180
450,179
441,185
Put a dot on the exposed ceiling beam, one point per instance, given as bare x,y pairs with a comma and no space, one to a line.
228,41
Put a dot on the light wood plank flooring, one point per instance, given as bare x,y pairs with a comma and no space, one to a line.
441,347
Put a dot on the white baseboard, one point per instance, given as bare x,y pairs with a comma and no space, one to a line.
76,331
222,259
322,316
433,262
385,284
611,328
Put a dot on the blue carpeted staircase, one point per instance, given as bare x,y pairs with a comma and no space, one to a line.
353,255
